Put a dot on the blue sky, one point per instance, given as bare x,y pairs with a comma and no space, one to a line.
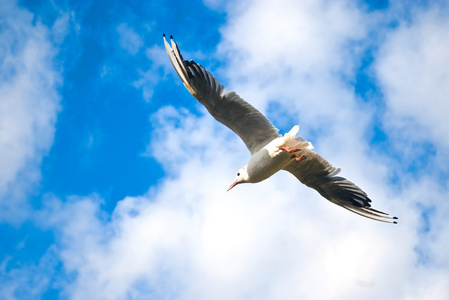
113,178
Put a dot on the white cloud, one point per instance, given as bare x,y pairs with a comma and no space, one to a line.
29,104
412,67
189,239
296,54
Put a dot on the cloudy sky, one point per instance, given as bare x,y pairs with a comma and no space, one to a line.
113,178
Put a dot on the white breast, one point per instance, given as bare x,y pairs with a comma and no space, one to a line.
267,161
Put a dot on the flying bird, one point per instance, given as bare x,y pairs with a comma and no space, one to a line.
270,151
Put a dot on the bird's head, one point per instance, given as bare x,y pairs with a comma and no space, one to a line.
242,177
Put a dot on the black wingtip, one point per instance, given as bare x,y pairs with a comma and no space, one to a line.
395,222
163,34
395,218
171,37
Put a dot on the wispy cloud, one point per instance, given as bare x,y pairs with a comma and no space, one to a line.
129,39
29,104
412,69
151,77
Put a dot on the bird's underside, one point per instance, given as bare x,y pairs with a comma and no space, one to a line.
256,131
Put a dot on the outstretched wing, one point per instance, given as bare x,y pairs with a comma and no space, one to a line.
248,123
315,172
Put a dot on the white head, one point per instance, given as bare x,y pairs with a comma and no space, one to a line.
242,177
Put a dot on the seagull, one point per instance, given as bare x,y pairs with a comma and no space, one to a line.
270,151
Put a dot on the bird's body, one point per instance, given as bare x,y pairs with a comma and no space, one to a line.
267,161
271,158
270,151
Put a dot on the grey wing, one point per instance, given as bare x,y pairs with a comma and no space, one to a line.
248,123
315,172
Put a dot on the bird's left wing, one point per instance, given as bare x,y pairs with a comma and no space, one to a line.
315,172
247,122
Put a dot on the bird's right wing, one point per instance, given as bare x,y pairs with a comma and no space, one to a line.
247,122
315,172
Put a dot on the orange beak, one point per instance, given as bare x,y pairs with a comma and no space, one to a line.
232,185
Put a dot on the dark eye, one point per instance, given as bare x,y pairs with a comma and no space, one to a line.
238,174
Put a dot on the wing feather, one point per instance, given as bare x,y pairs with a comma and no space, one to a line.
247,122
318,174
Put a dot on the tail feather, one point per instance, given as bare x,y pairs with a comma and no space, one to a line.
293,141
